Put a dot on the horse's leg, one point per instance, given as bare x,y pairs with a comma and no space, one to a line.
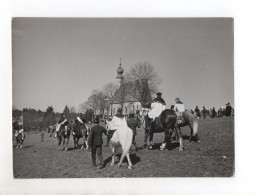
59,142
122,156
166,138
130,165
113,154
180,138
67,142
147,133
63,142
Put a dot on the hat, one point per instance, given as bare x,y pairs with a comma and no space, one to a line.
96,120
159,93
119,110
177,99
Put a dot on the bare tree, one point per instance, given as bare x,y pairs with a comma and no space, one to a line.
144,82
72,109
109,90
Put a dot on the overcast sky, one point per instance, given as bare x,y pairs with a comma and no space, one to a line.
59,62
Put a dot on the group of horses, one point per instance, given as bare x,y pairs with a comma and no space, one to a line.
166,123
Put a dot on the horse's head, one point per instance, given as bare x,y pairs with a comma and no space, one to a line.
107,124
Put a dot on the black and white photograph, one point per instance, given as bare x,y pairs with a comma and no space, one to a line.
120,97
129,97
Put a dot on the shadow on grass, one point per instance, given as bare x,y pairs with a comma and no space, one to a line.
25,146
134,159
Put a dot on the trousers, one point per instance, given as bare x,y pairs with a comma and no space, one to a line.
96,149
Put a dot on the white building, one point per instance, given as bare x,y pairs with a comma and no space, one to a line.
123,99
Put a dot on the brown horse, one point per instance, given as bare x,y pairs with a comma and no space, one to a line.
63,134
80,132
166,123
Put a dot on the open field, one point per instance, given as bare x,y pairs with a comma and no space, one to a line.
213,157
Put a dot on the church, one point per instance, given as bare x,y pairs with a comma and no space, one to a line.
125,95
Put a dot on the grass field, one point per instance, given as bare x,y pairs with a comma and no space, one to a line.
213,157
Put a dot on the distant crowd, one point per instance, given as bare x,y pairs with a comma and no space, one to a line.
213,113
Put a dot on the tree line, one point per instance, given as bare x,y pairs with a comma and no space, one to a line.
32,119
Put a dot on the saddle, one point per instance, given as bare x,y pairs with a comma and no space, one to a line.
156,124
180,118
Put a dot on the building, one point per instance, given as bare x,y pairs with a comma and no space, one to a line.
125,95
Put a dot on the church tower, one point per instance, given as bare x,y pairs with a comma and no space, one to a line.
119,77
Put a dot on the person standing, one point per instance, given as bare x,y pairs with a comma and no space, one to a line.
204,112
42,135
197,111
96,142
228,109
132,123
214,113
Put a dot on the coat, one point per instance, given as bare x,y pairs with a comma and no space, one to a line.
133,124
95,136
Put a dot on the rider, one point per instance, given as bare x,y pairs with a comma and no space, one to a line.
63,122
179,108
80,123
118,120
158,105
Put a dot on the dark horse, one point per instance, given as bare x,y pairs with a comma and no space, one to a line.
80,132
64,135
166,123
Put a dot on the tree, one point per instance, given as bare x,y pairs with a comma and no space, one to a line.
93,101
67,113
144,82
49,116
109,90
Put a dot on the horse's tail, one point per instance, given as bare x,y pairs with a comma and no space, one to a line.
195,125
127,143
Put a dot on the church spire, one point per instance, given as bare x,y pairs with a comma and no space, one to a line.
120,72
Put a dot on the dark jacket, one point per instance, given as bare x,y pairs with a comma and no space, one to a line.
159,99
132,123
228,110
95,136
79,125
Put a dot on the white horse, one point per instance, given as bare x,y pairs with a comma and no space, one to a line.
122,137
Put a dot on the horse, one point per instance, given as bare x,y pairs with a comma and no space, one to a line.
19,138
78,133
166,122
189,118
63,134
121,137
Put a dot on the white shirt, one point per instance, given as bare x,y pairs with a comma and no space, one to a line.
179,108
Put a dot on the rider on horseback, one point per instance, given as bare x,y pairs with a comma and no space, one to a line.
63,122
79,123
118,120
158,105
179,108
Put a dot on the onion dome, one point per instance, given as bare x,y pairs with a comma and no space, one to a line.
120,71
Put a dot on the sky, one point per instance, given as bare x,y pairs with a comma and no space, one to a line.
60,61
